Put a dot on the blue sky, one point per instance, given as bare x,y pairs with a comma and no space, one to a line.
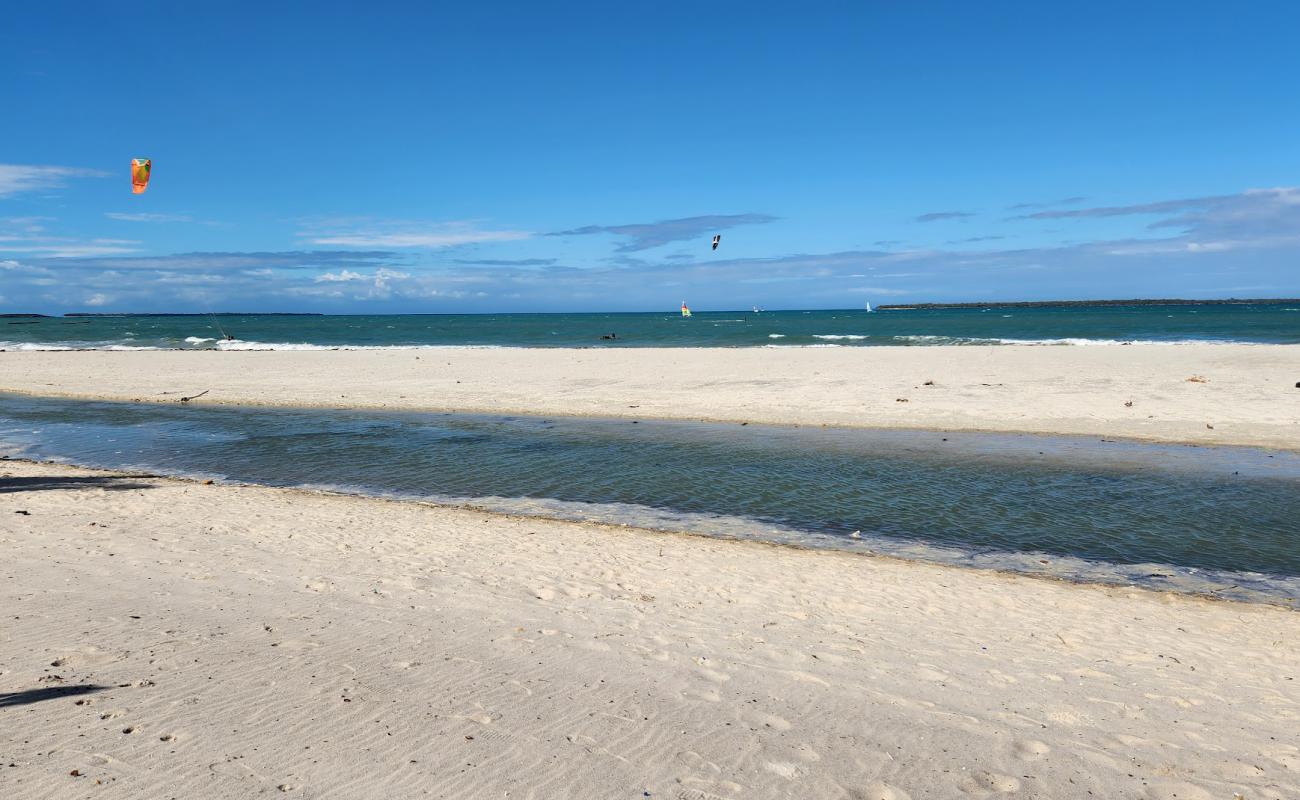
523,156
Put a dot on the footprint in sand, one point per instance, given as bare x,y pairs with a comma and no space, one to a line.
1131,741
1178,791
85,657
986,782
474,716
710,673
879,790
785,769
696,794
697,762
928,672
1031,749
805,753
707,695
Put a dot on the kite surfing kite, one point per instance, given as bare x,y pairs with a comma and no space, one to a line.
717,237
140,169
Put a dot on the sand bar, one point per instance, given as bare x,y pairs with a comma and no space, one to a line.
261,641
1210,394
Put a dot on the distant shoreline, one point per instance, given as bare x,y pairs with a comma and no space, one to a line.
1083,303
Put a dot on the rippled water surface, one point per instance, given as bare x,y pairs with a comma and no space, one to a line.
1225,520
1079,325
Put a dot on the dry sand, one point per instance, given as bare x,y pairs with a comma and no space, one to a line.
255,641
1216,394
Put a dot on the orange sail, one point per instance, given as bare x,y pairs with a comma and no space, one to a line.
140,169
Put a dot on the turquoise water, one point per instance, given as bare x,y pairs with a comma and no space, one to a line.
1218,520
1263,323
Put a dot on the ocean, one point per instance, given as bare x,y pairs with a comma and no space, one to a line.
1213,520
1276,323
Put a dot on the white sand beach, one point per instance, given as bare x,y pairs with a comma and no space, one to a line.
262,642
237,641
1202,393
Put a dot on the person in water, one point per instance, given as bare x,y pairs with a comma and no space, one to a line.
610,335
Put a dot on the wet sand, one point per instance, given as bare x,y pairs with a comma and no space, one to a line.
1207,394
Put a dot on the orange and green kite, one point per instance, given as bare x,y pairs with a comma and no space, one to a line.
140,168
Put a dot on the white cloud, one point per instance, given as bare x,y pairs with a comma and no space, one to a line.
340,276
15,178
364,233
69,248
225,261
97,299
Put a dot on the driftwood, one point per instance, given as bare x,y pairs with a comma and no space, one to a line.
195,397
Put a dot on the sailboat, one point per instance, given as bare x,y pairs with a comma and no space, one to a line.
868,307
686,312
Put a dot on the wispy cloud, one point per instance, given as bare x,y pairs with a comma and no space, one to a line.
506,262
26,225
16,178
936,216
1066,201
646,235
1256,218
1161,207
28,236
67,248
220,262
879,291
144,217
404,234
975,239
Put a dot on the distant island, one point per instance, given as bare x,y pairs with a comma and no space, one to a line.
1078,303
23,316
